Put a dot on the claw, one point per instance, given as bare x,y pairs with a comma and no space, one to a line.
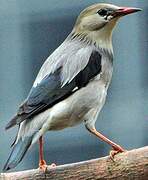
114,152
53,165
43,166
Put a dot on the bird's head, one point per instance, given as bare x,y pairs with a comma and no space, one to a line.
97,21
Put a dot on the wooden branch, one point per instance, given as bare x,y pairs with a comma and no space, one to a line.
131,165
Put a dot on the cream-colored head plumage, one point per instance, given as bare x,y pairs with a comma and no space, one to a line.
97,23
97,27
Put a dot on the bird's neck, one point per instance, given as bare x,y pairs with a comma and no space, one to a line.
101,39
103,36
103,45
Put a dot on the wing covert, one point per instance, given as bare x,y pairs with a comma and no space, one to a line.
51,90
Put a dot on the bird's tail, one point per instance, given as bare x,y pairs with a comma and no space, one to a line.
18,152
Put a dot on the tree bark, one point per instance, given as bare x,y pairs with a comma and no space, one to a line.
131,165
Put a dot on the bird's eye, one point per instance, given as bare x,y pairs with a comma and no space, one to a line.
102,12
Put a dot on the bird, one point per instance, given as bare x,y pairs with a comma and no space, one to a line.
71,86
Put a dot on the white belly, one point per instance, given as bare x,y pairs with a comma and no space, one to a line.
83,105
72,111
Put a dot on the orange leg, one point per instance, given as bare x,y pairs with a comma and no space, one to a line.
116,148
42,162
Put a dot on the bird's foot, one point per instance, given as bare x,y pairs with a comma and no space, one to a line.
43,165
117,149
53,165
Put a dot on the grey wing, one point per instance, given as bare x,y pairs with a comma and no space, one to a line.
72,56
47,93
55,87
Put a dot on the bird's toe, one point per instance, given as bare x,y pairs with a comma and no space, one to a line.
114,152
43,165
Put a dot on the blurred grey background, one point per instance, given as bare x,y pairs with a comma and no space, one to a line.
29,32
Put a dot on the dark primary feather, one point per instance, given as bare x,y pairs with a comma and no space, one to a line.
50,91
17,153
91,70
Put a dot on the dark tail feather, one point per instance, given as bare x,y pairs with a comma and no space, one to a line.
12,122
18,152
15,138
17,119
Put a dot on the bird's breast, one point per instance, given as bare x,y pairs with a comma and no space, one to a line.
72,111
107,69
